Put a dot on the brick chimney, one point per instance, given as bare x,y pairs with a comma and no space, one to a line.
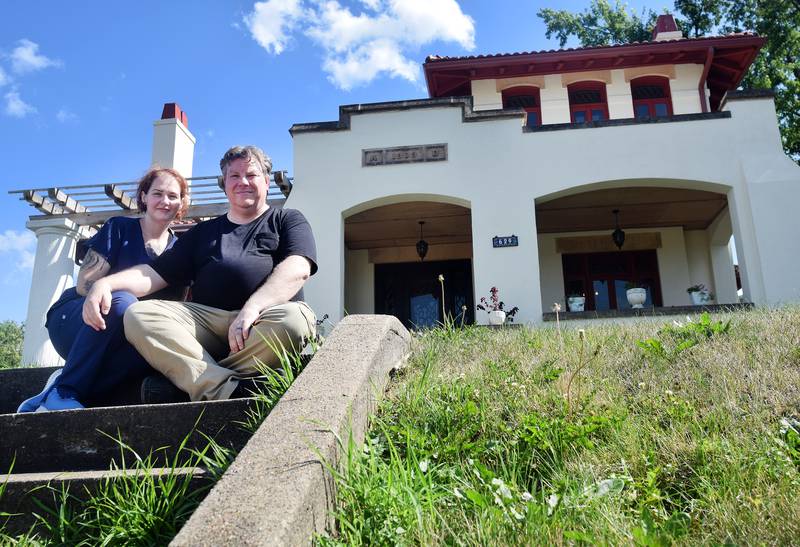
173,143
666,29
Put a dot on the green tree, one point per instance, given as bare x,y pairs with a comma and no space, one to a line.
11,334
777,66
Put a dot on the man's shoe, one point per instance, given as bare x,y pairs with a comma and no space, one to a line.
157,390
247,387
31,404
54,401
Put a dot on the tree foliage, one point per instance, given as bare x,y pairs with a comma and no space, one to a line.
777,66
11,334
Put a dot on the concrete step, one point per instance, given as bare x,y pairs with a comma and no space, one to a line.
17,384
25,493
83,440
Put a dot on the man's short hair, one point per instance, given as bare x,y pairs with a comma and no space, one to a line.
249,153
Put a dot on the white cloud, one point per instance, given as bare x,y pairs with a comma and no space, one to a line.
359,47
3,77
64,115
21,246
271,23
25,58
16,107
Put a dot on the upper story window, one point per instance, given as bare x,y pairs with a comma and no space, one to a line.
525,97
587,102
651,98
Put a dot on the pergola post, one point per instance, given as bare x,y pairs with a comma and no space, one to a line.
52,273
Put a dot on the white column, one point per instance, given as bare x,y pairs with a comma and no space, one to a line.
513,270
52,273
720,233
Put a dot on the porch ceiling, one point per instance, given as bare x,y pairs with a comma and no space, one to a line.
398,225
639,207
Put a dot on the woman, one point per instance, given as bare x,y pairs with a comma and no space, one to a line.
96,362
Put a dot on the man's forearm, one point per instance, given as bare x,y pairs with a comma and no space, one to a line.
284,282
140,280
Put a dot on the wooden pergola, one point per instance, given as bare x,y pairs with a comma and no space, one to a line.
90,205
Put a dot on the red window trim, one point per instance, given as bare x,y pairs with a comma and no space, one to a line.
588,107
521,91
662,81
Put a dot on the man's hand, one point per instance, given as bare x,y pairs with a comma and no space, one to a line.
97,304
239,329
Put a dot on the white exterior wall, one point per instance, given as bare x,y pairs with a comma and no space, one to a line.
359,276
485,95
555,101
618,93
740,157
684,89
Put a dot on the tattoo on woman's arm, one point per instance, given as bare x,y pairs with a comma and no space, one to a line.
93,268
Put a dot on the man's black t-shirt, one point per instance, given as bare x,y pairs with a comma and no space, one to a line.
227,262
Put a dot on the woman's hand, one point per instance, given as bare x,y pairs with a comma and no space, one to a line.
239,329
97,304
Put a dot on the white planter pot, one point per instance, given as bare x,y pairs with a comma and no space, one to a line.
576,303
497,317
636,297
700,298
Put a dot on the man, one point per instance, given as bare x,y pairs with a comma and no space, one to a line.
247,269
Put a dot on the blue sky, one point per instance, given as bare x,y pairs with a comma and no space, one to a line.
82,82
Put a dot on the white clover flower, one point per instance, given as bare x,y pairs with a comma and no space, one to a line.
423,466
470,461
642,384
400,530
502,489
441,277
669,392
556,307
526,496
516,514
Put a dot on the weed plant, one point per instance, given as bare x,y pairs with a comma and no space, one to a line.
501,437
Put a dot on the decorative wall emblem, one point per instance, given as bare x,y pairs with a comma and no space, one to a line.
505,241
404,154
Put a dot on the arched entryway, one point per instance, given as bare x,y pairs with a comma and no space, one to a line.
676,236
385,274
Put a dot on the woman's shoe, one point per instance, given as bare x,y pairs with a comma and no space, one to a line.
54,401
30,405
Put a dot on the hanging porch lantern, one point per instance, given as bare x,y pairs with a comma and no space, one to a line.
422,245
618,236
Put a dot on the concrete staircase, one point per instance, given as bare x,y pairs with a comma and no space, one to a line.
76,448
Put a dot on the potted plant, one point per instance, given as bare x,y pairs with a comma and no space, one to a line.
576,302
494,307
700,295
636,293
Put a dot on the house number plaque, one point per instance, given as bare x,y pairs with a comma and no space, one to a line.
505,241
404,154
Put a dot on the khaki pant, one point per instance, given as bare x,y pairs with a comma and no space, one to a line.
188,342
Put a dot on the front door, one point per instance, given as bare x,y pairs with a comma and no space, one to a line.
411,292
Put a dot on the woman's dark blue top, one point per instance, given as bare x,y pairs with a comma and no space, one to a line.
121,243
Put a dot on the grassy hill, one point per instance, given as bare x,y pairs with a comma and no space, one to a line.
653,433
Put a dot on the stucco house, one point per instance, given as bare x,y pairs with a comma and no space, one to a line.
520,172
516,165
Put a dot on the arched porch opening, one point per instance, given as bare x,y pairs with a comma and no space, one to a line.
677,235
385,274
